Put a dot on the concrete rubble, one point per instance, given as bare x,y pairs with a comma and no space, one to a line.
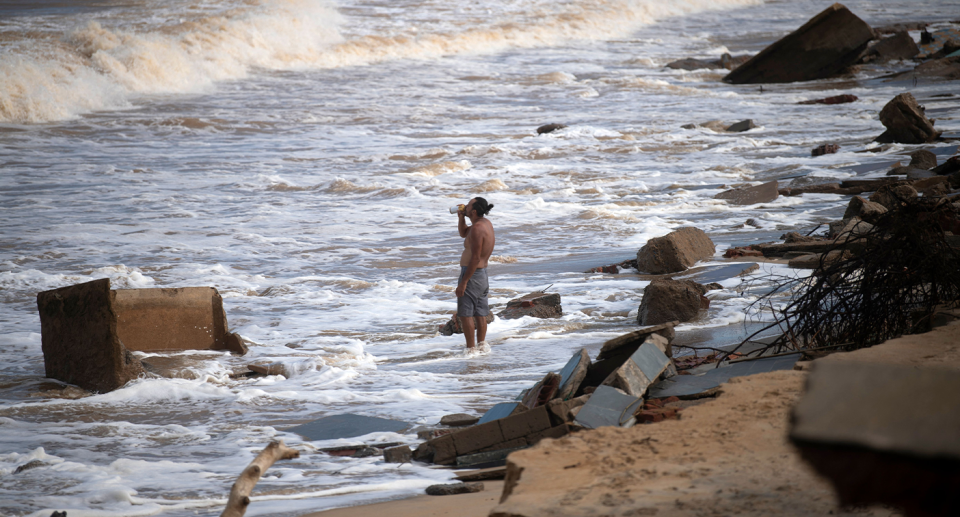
88,331
537,305
675,252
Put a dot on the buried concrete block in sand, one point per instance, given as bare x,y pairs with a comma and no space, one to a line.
608,406
883,434
538,305
347,425
639,371
572,374
822,47
675,252
751,195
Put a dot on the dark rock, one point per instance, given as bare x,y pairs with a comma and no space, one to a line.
867,210
911,173
549,128
824,188
79,338
791,237
675,252
458,420
367,452
668,300
950,166
896,47
59,514
869,185
713,125
401,454
743,125
29,465
906,122
455,488
926,183
816,261
823,149
693,64
731,62
453,326
751,195
900,27
923,159
613,269
538,305
268,369
828,43
836,99
892,196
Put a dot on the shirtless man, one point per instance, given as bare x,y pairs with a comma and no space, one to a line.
472,288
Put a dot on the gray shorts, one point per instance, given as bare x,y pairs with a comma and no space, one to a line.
474,299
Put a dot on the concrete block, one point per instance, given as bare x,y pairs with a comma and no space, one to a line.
523,424
347,425
502,410
608,406
674,252
401,454
640,371
573,374
79,338
480,436
559,409
554,432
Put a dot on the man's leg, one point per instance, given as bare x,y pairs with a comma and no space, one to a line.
481,328
467,324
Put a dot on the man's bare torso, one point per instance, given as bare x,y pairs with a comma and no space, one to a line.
481,231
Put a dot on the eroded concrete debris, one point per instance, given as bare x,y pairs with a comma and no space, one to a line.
88,331
675,252
667,300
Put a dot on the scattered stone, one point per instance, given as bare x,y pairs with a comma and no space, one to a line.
951,166
752,222
836,99
549,128
901,27
538,305
493,473
923,159
694,386
347,425
668,300
891,196
868,185
823,149
608,406
906,122
459,420
867,210
401,454
743,125
828,43
713,125
693,64
675,252
897,47
32,464
624,346
926,183
751,195
455,488
883,434
944,69
454,326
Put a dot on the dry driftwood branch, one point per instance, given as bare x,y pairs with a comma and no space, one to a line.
240,492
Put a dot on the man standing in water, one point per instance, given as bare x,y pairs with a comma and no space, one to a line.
472,288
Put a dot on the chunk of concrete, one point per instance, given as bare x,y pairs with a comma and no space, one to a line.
896,47
641,370
854,229
883,434
538,305
474,438
573,374
502,410
670,300
906,122
675,252
184,318
627,344
608,406
525,423
822,47
751,195
347,425
459,420
560,410
743,125
81,346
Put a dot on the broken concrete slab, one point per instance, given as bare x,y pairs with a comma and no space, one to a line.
691,385
492,473
896,47
608,406
458,420
79,338
525,423
675,252
627,344
641,370
347,425
751,195
883,434
715,274
866,210
822,47
501,410
572,374
474,438
184,318
538,305
560,410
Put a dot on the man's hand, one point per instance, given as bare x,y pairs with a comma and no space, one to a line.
461,289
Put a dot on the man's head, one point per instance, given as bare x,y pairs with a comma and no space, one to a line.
480,205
